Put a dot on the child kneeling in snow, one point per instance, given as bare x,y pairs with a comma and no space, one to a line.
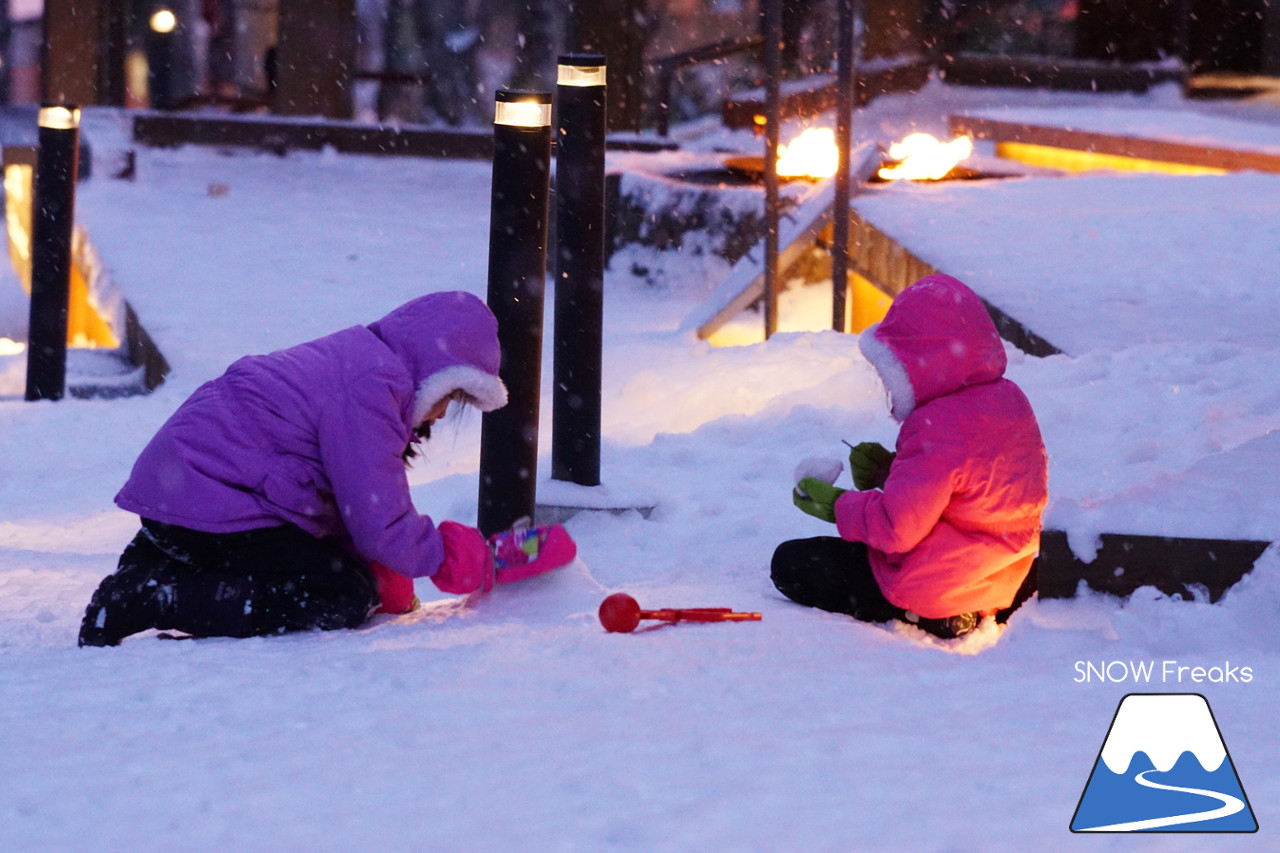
275,498
944,531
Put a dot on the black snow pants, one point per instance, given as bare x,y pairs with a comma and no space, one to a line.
266,581
835,575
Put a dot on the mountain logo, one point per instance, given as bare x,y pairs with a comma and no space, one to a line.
1163,767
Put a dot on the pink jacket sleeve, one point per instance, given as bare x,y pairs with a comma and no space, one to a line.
361,439
919,487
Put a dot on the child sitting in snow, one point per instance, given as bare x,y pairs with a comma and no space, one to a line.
944,531
275,498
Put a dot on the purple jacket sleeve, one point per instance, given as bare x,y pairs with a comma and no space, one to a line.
919,487
361,437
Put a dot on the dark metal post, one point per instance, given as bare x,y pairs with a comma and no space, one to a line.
773,118
579,299
517,282
6,59
52,219
846,99
113,53
1180,36
161,34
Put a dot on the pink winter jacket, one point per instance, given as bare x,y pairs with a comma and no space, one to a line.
957,524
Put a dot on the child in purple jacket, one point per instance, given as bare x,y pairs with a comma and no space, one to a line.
275,498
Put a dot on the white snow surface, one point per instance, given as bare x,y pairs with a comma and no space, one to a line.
514,721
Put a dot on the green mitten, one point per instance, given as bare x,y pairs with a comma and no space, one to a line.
817,498
869,463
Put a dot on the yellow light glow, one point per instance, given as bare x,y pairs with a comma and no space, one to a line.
812,154
87,324
11,347
58,118
866,304
580,75
163,21
923,157
1069,160
522,114
17,209
736,335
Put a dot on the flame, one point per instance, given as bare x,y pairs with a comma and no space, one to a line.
812,154
11,347
922,157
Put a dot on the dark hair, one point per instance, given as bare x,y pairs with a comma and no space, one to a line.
422,432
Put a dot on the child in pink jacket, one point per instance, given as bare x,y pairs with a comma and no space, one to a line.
944,531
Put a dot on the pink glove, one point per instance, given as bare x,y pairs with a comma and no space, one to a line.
523,552
395,591
468,562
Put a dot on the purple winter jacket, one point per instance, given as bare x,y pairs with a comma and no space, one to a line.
313,435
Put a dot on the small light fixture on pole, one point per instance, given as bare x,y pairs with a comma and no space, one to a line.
579,256
53,217
161,29
517,284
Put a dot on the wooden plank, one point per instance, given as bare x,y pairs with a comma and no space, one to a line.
280,134
1115,145
283,134
1124,563
1059,73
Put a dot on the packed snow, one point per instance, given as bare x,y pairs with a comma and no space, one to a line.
513,721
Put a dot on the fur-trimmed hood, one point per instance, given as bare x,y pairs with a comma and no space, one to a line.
936,339
449,342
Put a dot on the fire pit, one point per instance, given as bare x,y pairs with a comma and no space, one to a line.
922,158
811,156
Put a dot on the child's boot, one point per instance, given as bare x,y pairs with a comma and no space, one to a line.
132,599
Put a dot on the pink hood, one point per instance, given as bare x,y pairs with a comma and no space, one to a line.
936,339
957,525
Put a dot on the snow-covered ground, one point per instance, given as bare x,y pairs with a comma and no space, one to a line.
514,721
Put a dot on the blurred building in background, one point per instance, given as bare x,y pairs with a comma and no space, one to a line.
438,61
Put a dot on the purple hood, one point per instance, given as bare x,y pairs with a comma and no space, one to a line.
313,435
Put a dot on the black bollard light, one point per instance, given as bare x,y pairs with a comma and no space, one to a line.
161,34
52,219
517,283
579,255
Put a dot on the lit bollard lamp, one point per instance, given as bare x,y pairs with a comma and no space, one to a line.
52,219
579,256
161,34
517,282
